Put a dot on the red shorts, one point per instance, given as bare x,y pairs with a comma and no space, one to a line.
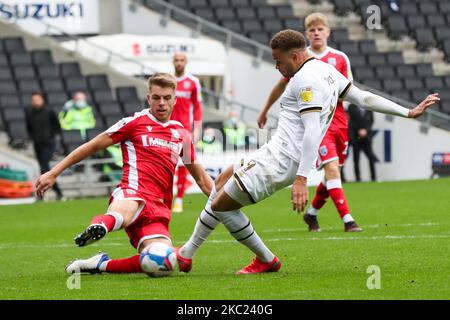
334,146
151,219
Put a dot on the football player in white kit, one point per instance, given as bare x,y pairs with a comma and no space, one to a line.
307,108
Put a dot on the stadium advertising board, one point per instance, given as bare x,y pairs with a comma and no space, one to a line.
72,17
206,57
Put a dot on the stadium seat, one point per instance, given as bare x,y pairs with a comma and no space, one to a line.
76,83
419,94
402,94
9,101
395,58
367,46
384,72
392,84
245,13
434,83
71,136
127,94
339,35
294,23
98,82
259,36
24,72
6,74
110,109
412,84
239,3
48,72
349,48
221,3
424,38
397,26
436,20
100,96
272,25
42,57
52,85
373,83
343,7
225,14
377,59
233,25
424,70
363,73
428,8
3,60
198,3
205,13
20,59
408,9
404,71
28,86
112,120
18,134
416,21
251,26
179,3
129,108
7,87
13,114
70,69
357,61
92,133
56,98
284,12
266,12
14,45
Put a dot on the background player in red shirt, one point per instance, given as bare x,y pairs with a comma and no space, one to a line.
188,111
151,147
333,148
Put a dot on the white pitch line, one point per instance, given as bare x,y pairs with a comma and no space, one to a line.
369,226
352,238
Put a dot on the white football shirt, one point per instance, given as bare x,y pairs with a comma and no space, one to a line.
315,87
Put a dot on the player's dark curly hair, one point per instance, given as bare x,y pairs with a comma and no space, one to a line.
163,80
288,39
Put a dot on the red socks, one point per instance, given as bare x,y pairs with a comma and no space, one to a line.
320,197
126,265
337,194
108,220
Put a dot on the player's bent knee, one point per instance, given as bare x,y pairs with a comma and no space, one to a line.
332,170
147,242
126,208
223,202
223,178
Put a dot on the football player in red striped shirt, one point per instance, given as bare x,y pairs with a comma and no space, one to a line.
152,145
187,111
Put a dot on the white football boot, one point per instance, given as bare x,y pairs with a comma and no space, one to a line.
91,265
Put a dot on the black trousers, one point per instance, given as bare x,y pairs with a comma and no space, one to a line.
366,146
44,152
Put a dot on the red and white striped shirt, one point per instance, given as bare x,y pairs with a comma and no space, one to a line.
188,106
150,151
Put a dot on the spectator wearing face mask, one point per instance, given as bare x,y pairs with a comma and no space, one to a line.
235,131
209,145
77,114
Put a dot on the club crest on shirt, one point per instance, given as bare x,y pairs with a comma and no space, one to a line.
175,134
306,94
186,85
323,150
332,61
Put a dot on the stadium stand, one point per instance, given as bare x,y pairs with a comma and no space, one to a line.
26,71
386,71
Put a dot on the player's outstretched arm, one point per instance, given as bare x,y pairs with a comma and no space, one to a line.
371,101
276,93
47,180
200,176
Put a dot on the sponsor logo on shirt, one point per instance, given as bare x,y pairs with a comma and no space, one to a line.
306,94
161,143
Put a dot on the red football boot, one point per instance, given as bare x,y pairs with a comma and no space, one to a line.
257,266
184,264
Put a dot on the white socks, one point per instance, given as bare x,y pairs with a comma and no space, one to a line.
205,225
242,230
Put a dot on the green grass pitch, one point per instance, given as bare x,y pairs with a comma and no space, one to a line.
406,234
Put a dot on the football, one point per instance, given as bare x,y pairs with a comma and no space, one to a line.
158,259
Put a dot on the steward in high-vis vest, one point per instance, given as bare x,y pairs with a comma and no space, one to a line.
77,114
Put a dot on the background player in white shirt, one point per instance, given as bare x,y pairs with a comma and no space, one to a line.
308,105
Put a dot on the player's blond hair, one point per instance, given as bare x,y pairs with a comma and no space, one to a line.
316,17
288,39
163,80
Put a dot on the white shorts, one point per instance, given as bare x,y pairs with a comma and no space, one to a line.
260,175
